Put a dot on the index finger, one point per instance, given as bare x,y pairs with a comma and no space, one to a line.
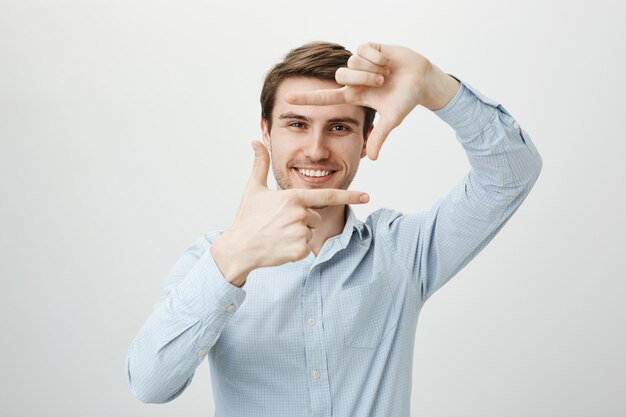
317,97
331,197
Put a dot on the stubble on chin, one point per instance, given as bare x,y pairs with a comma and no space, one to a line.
281,179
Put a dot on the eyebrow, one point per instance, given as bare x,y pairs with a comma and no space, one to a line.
292,115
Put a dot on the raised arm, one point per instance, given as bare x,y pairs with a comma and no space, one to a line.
436,244
505,164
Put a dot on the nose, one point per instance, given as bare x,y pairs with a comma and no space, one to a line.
317,146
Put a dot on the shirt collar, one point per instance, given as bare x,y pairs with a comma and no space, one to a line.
352,223
341,241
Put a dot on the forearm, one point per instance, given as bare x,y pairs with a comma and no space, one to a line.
504,167
439,242
166,352
502,155
195,306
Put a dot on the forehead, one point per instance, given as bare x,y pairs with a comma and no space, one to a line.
299,84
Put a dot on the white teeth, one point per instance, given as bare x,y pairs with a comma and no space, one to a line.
314,173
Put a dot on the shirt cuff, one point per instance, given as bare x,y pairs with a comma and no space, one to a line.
206,291
469,112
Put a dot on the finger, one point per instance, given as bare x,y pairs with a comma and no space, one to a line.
348,76
330,197
356,62
317,97
313,219
378,136
372,52
261,165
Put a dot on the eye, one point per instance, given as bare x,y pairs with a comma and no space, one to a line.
340,128
298,125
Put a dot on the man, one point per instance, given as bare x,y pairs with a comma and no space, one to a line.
302,309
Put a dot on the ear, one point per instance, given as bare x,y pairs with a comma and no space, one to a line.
266,134
364,150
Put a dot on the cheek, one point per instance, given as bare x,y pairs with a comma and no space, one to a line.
281,154
282,141
351,151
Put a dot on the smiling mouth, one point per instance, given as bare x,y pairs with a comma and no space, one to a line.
314,173
314,176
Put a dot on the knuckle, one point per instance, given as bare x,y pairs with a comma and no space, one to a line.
353,61
322,97
374,45
330,198
300,217
341,75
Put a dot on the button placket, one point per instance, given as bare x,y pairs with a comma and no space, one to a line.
314,344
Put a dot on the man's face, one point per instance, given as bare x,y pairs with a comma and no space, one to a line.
314,146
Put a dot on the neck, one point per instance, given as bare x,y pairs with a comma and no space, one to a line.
333,222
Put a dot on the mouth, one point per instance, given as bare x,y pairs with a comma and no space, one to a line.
314,176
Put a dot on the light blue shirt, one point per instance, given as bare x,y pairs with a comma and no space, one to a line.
333,335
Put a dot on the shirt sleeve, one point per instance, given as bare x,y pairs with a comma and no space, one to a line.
436,244
195,305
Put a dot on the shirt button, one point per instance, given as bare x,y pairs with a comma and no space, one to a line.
516,125
231,308
201,353
311,321
316,374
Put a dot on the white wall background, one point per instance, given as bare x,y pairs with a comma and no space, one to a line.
124,135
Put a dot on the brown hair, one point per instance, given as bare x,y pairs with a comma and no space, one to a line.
314,59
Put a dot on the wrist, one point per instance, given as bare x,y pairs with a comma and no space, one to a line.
230,260
440,89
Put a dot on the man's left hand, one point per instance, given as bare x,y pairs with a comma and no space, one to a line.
392,80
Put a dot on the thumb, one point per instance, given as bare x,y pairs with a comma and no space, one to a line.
261,165
378,135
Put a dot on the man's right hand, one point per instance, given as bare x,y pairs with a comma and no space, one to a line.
272,227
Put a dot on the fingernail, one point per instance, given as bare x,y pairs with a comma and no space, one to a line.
364,198
379,79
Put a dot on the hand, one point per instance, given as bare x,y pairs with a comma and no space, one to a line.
272,227
392,80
